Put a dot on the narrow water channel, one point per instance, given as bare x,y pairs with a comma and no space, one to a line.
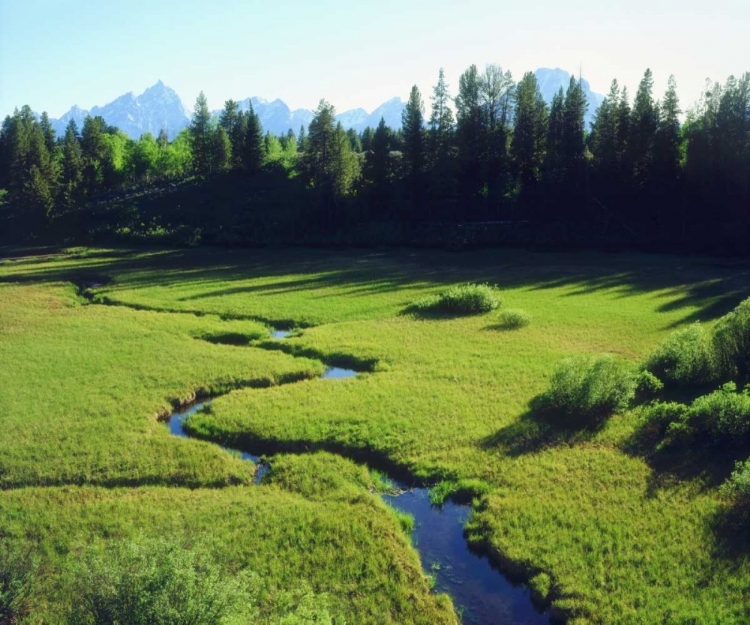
482,594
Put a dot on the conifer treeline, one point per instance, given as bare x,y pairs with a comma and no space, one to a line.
642,172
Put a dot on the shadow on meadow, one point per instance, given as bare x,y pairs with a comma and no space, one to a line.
535,430
706,287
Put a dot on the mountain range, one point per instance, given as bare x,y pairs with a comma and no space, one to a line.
159,107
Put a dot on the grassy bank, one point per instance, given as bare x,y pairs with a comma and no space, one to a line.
606,533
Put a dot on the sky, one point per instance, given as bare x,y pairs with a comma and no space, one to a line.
353,53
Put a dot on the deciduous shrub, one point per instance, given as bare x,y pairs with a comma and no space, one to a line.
155,582
732,341
513,318
467,299
738,486
585,390
660,415
648,385
721,417
685,358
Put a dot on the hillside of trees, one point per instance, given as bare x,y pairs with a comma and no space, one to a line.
494,164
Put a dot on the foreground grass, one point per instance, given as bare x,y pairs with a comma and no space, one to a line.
606,536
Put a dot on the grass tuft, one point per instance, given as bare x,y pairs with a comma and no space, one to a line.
466,299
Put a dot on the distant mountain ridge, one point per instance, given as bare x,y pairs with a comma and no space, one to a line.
159,107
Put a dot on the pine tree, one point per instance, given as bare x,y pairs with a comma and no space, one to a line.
253,147
574,147
497,93
234,124
378,172
441,144
529,134
667,154
72,166
302,139
201,133
470,135
412,125
644,120
48,132
554,161
221,156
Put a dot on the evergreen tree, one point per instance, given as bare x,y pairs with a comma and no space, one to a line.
367,136
644,120
554,161
302,139
222,150
332,167
497,93
574,148
163,139
412,125
95,153
253,147
234,124
667,154
441,144
72,165
470,136
529,135
201,133
378,171
48,132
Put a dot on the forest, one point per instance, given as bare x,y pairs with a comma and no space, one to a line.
494,164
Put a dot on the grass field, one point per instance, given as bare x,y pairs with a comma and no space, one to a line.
604,531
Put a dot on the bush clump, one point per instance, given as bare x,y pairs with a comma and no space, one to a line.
512,319
648,386
731,341
685,358
157,581
737,487
467,299
721,417
585,390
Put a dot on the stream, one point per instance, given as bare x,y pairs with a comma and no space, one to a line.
481,594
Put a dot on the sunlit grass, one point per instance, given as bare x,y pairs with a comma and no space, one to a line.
605,536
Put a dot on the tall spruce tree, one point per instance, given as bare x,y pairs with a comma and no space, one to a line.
529,135
201,134
470,126
441,145
412,124
378,172
253,147
644,119
72,166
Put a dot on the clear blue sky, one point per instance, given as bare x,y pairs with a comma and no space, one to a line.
55,54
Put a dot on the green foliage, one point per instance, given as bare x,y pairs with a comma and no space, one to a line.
731,340
202,136
150,582
660,415
513,319
585,390
648,385
737,487
685,358
440,493
466,299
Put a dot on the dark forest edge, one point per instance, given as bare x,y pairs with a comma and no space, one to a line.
507,169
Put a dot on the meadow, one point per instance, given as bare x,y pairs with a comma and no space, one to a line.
96,344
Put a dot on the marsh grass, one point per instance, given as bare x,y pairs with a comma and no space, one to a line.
621,535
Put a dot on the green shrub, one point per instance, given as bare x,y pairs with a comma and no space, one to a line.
723,416
513,319
467,299
585,390
685,358
648,385
737,487
661,414
732,341
154,582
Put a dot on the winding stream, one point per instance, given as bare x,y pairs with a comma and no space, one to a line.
482,594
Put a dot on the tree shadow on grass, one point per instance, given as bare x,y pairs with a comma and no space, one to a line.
731,529
537,429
